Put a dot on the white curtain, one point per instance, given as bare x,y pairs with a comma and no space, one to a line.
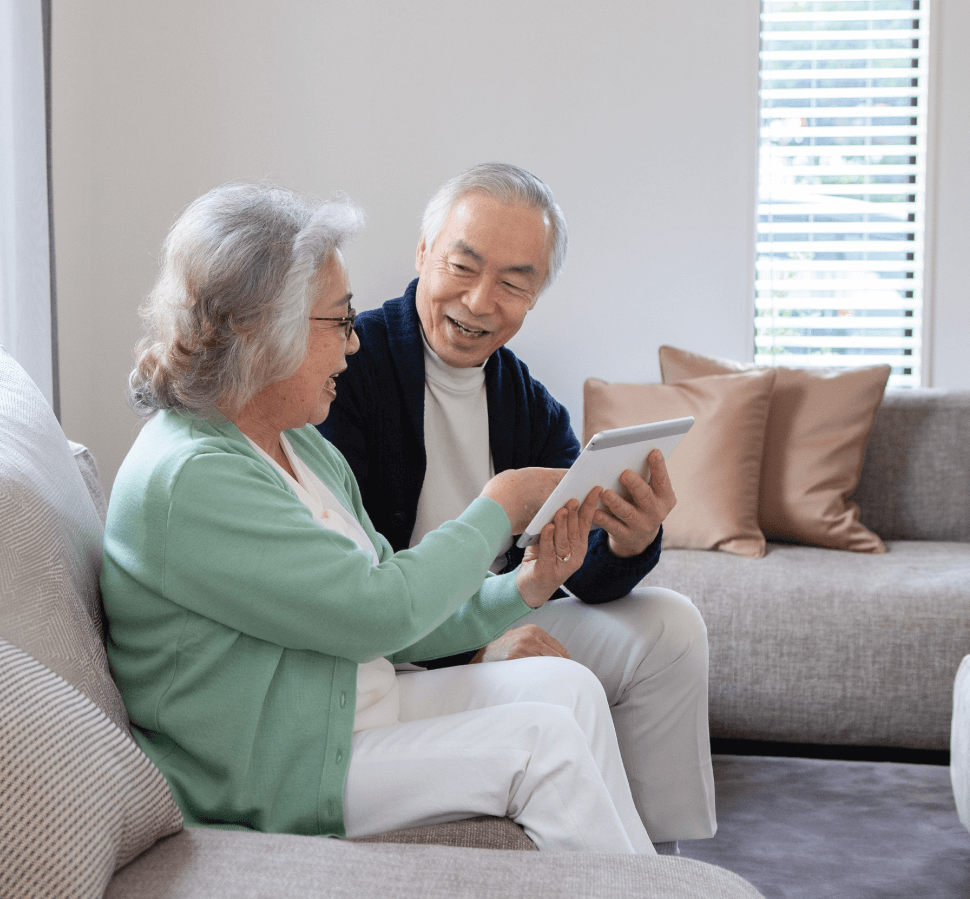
26,317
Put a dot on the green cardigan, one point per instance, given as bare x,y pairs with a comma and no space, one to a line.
236,624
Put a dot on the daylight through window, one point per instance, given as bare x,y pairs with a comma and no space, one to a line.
842,180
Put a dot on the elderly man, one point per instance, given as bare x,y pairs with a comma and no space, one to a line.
434,404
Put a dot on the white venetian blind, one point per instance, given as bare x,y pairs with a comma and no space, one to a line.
842,182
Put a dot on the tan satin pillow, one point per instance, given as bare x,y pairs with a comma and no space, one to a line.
818,426
716,468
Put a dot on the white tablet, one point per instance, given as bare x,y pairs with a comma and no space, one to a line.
607,455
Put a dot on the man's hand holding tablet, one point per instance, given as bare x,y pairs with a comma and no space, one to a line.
611,460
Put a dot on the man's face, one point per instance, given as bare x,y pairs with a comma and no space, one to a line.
480,278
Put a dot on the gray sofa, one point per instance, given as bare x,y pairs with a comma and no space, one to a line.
824,646
84,813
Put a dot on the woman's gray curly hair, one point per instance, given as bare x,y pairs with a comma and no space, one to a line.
230,311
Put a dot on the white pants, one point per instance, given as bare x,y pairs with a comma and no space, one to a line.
531,739
649,651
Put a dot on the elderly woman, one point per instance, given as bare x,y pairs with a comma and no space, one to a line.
272,702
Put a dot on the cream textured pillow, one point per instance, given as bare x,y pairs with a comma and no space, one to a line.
716,468
818,426
51,537
80,799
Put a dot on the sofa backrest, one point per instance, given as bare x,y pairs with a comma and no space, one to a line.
51,538
915,482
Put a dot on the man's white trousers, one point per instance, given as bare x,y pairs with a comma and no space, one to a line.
649,651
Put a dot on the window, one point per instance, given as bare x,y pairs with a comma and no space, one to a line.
842,181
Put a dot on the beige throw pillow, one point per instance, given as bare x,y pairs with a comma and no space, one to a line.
716,468
818,426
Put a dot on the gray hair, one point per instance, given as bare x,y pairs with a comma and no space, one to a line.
509,185
230,311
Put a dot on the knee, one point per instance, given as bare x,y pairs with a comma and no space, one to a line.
679,626
540,725
563,682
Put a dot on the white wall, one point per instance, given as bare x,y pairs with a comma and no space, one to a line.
649,143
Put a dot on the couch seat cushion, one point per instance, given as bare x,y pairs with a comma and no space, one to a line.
812,645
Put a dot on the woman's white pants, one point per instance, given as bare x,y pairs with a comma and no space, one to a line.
531,739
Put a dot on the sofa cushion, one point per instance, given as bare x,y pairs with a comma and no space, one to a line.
202,863
915,482
480,832
80,799
818,425
51,538
716,468
960,742
811,645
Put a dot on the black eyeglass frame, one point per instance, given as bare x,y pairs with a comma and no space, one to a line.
347,322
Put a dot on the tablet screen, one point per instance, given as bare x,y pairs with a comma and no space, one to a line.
607,455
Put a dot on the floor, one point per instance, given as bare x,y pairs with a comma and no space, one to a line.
801,828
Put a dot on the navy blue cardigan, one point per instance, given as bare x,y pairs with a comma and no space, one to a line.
377,422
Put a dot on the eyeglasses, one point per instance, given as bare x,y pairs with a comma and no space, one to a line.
347,322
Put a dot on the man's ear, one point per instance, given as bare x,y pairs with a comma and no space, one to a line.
420,254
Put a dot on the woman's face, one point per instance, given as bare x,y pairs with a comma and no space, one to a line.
305,397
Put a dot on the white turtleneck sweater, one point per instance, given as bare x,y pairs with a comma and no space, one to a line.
456,442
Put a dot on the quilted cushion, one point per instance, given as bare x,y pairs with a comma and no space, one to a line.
80,799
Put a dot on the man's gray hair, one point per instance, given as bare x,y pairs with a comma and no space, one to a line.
230,311
509,185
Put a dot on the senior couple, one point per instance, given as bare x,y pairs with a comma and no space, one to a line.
335,636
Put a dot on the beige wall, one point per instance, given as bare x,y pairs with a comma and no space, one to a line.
649,144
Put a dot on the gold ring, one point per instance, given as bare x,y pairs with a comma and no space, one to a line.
563,558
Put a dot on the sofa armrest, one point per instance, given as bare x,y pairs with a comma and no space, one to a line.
210,863
960,742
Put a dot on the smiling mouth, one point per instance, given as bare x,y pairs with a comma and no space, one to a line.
468,332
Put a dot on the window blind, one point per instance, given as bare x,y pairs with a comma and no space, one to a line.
842,180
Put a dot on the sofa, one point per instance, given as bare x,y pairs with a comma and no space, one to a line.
823,530
84,813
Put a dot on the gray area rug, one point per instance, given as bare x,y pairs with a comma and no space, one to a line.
818,829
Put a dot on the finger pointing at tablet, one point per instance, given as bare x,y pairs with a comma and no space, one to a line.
560,551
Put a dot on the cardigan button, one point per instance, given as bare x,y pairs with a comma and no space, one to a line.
397,519
343,700
340,756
